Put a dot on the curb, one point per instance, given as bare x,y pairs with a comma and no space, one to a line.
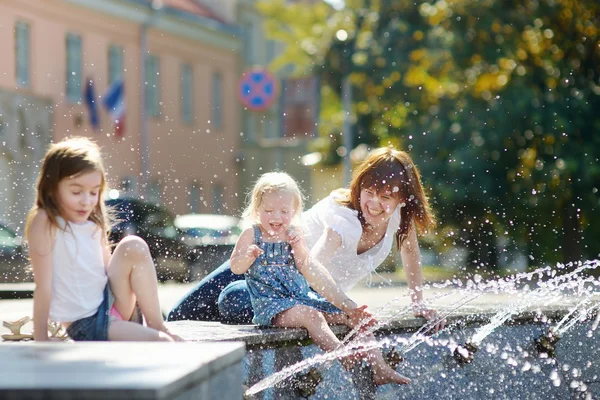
16,291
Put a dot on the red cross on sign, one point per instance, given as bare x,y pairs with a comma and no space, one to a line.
258,89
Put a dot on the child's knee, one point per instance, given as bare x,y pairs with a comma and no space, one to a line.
134,246
309,315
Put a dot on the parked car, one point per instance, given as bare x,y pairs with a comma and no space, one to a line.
212,238
14,266
155,225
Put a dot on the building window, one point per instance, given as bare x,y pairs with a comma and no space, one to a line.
218,198
187,91
22,53
217,101
194,197
152,86
249,52
115,63
154,191
73,67
271,50
129,185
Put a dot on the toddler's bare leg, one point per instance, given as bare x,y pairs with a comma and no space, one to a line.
313,320
382,372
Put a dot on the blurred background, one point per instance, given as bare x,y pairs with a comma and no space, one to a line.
497,101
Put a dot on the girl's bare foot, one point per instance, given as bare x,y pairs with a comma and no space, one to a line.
389,376
176,338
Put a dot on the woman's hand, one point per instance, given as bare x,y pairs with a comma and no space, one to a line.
420,309
361,317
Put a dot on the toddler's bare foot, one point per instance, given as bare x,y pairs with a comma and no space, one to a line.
389,376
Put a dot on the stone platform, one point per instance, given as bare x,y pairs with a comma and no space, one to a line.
98,370
506,366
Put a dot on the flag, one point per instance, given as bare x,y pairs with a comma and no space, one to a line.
90,101
114,102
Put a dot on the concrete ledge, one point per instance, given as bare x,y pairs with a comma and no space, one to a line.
10,291
254,336
121,370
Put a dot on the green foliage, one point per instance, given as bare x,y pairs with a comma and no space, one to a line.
496,99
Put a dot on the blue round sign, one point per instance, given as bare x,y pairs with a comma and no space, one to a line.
258,89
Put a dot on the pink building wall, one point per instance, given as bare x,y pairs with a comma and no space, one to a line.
180,153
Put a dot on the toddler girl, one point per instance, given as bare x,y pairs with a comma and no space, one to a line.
279,273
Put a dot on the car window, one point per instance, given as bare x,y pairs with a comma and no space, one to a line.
8,238
160,223
213,233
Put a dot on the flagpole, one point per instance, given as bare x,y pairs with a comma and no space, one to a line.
144,139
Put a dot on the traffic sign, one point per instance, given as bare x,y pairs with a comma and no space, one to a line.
258,89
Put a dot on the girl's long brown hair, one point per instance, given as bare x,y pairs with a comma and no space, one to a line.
68,158
386,168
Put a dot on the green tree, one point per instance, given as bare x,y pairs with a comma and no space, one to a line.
497,100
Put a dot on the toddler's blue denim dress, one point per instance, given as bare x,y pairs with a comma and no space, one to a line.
276,285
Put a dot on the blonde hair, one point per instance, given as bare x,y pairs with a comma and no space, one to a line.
268,183
68,158
392,170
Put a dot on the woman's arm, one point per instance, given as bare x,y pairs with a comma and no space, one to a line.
244,252
39,238
411,262
310,264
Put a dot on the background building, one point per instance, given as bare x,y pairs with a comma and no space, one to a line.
52,49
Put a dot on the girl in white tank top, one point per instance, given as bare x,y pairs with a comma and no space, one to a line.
78,282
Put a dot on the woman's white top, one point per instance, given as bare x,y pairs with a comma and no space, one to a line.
347,267
78,273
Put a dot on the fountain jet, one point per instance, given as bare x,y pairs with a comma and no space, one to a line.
546,343
464,354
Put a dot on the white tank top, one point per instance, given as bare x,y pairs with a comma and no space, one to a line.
78,273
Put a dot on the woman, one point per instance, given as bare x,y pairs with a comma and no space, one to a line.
351,232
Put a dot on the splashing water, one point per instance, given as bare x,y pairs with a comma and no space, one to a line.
353,346
352,342
580,313
551,287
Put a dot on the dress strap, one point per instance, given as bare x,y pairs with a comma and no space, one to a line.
257,235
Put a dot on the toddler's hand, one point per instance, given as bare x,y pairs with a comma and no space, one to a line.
295,237
254,251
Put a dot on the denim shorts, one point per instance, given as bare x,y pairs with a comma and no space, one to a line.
95,327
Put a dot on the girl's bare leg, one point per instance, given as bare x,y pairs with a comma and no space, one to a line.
382,372
132,278
130,331
313,320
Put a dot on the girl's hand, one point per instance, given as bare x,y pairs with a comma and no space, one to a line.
361,316
254,251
